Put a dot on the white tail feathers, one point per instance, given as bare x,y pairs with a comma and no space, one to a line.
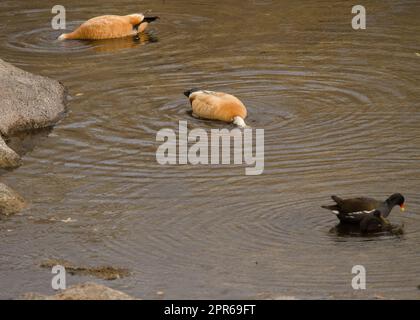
239,122
62,37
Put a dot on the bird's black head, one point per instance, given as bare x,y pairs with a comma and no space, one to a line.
188,92
396,199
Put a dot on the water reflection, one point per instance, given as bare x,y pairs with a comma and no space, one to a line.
26,141
111,45
349,230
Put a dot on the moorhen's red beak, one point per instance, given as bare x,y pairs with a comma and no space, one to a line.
402,207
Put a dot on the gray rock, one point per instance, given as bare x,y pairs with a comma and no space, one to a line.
27,102
84,291
8,158
102,272
10,201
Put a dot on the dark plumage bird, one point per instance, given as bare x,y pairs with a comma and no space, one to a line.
373,222
355,210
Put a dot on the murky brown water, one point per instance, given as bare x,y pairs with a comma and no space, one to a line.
341,114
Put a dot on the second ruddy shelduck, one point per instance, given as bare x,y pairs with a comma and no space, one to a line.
217,106
109,27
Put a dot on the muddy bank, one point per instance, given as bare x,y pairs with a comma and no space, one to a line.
84,291
28,102
102,272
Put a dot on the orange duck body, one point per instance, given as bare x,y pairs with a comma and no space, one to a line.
217,106
109,27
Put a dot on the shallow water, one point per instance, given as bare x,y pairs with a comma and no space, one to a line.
341,113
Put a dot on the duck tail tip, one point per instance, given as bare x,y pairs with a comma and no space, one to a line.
62,37
239,121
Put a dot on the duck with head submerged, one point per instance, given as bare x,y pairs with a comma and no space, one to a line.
110,27
213,105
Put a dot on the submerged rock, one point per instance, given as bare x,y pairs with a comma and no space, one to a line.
28,102
102,272
84,291
8,157
10,201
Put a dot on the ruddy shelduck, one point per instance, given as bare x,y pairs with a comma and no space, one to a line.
109,27
217,106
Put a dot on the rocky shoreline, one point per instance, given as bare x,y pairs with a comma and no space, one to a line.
30,102
83,291
27,102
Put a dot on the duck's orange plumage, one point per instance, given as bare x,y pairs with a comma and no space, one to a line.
217,106
109,27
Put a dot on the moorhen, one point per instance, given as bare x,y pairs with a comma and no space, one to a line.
354,210
374,222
